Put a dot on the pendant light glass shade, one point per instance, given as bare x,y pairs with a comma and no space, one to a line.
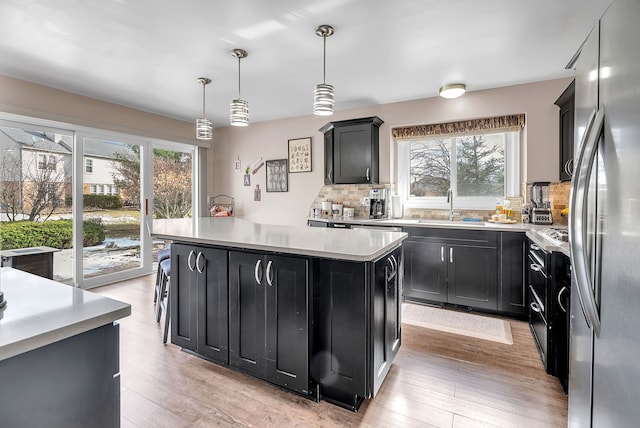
239,110
204,127
323,94
323,99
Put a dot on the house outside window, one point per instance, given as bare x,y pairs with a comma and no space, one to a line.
100,189
53,163
478,165
92,189
42,162
88,166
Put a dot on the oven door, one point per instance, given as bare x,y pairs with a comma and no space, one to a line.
538,325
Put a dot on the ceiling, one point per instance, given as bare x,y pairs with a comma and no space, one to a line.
147,54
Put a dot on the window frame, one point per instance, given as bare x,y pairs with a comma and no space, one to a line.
88,165
513,142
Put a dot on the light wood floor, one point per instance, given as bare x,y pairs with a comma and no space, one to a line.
437,379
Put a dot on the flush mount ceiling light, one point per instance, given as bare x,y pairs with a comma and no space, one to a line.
239,107
323,94
452,91
204,127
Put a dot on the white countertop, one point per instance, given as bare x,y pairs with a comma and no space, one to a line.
353,245
446,224
40,312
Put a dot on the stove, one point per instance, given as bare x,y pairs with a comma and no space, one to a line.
556,235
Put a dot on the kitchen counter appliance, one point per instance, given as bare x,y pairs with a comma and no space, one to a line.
377,203
541,206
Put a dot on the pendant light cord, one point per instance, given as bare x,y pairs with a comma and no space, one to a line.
324,60
203,97
239,97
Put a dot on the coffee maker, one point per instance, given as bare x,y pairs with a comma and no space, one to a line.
377,203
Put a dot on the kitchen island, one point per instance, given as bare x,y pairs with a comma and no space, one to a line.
315,311
59,354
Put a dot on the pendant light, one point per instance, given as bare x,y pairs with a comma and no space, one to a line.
204,127
453,90
239,107
323,94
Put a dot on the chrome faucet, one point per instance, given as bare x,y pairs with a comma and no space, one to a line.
450,201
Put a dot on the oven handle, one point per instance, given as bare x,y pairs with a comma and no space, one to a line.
535,307
560,299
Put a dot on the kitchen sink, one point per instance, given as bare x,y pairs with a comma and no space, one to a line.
457,223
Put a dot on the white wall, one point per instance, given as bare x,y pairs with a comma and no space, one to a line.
269,141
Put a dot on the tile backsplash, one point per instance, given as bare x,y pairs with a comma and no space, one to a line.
352,195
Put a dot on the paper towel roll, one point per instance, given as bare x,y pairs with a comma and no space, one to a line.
396,207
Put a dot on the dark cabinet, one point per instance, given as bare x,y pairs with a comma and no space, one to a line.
566,119
387,329
452,266
356,326
512,293
561,317
425,274
199,300
351,150
268,318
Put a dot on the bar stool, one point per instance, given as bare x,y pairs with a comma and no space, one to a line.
163,296
163,254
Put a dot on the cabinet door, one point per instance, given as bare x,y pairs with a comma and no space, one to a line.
425,271
512,294
246,313
213,301
472,273
340,363
287,335
328,157
352,154
386,326
183,290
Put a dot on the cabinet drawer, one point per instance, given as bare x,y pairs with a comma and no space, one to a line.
454,236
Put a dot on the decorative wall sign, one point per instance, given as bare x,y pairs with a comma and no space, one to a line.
256,193
247,180
277,176
300,155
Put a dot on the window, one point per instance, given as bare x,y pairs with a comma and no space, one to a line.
100,189
479,168
42,161
92,189
53,163
88,165
114,190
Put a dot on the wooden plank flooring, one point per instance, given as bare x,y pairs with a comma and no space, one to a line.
437,380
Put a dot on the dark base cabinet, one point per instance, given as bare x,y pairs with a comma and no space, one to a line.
357,326
71,383
452,266
199,300
269,324
325,329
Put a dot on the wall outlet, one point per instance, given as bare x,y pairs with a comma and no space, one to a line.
365,201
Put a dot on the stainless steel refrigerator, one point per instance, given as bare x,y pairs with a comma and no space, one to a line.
604,226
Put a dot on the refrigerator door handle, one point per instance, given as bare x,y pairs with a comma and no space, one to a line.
578,219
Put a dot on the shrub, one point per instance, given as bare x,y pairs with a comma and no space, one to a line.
52,233
106,202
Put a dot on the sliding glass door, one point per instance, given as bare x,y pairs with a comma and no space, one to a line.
112,197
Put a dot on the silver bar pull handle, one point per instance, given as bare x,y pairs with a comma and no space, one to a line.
578,219
535,247
258,270
442,253
191,267
269,278
450,254
198,268
367,174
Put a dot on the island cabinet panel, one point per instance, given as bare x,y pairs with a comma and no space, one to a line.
357,326
199,300
268,318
